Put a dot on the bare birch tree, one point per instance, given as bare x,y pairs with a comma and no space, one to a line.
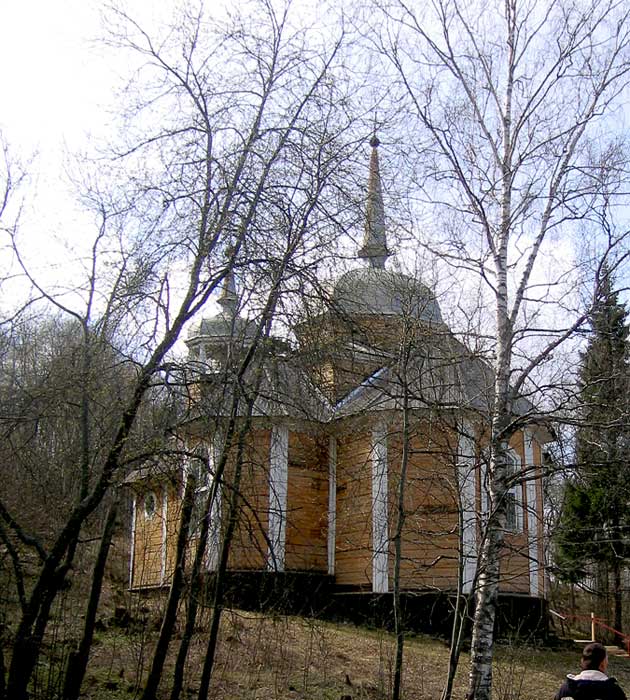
515,102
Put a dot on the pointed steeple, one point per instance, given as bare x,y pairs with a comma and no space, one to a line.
374,248
228,299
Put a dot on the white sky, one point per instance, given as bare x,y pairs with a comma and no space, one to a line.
56,97
53,79
54,84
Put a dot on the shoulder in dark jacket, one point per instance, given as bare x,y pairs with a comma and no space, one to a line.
591,685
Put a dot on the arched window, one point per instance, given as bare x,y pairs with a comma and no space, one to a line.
150,505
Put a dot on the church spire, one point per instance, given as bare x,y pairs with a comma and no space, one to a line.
228,299
374,248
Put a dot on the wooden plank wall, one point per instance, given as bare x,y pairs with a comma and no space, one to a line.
430,538
353,560
249,545
307,504
147,554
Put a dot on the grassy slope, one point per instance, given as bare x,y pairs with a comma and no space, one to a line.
282,658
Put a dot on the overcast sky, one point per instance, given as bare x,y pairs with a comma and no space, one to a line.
56,88
56,96
53,77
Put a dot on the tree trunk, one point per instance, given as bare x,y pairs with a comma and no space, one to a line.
2,667
195,577
170,614
488,572
480,679
28,639
78,660
602,596
617,599
217,602
460,613
400,523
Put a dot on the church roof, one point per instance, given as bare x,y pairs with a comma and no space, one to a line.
278,385
227,325
221,327
441,375
442,372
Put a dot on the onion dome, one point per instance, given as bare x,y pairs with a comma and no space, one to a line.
379,292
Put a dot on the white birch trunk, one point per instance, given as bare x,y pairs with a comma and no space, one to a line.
468,500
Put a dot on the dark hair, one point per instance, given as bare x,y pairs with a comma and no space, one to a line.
592,656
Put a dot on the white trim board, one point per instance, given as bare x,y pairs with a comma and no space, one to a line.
532,517
332,503
214,529
380,523
278,485
132,554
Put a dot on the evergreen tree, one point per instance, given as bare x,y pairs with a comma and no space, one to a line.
595,523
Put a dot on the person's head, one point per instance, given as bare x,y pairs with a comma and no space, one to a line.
594,657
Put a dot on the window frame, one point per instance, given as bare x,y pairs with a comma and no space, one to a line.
514,493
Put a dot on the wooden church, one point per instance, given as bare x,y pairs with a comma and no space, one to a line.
367,433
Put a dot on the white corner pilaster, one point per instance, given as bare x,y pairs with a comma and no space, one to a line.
533,522
332,503
468,502
214,531
380,523
132,553
278,483
164,532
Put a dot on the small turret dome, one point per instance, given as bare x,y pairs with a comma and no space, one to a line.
211,336
221,327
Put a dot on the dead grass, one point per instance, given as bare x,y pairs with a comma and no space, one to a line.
287,658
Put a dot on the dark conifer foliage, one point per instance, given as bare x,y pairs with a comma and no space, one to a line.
592,539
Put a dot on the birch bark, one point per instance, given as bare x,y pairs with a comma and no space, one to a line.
505,111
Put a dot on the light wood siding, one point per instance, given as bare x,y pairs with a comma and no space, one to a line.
307,515
249,544
430,538
354,510
515,564
540,531
149,541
